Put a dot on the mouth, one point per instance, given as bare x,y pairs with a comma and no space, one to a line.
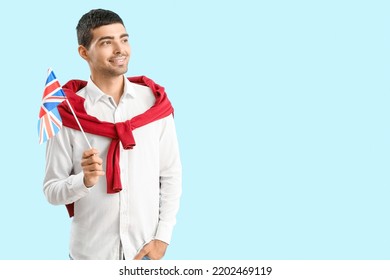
118,60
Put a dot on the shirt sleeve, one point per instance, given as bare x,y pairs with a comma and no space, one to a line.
170,180
61,185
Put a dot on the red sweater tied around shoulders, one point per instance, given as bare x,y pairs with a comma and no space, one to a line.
121,132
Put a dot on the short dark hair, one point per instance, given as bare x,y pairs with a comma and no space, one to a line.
91,20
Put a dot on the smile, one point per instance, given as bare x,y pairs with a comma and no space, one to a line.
120,60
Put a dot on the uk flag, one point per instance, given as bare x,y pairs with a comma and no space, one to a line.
49,122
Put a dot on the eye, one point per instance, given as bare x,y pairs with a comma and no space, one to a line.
104,43
125,40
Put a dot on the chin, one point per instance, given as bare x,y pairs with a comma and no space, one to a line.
117,72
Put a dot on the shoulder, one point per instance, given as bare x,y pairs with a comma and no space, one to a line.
141,91
141,88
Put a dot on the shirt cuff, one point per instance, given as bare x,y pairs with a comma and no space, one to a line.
164,232
77,184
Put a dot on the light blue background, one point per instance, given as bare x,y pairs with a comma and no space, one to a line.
281,110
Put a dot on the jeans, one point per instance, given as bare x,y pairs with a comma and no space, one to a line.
146,258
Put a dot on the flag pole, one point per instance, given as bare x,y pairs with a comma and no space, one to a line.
77,120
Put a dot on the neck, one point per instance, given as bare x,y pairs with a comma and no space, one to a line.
112,86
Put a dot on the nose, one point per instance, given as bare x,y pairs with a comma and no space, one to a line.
117,48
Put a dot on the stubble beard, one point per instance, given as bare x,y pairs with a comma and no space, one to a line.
109,72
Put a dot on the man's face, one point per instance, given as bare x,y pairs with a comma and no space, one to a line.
109,52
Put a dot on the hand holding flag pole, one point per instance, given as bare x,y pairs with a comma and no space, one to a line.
50,123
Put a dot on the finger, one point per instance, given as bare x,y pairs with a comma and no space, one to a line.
96,159
86,162
140,255
90,152
92,167
91,160
144,251
94,173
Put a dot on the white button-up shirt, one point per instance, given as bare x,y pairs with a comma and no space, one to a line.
113,226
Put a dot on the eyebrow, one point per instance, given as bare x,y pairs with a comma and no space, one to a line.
112,37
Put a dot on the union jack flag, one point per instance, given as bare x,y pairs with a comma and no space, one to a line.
49,122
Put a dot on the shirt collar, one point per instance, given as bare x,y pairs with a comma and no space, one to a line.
95,94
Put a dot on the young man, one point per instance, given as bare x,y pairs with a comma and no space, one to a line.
123,193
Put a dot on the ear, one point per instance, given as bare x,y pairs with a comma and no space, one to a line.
83,52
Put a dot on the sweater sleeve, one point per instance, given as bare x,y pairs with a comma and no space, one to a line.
170,180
